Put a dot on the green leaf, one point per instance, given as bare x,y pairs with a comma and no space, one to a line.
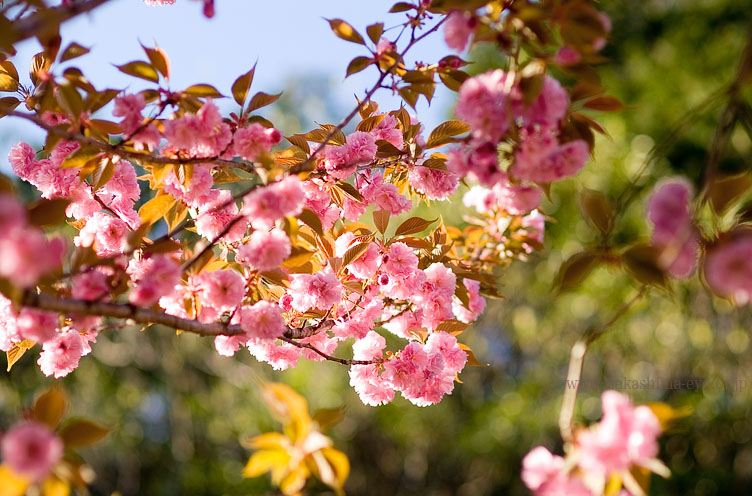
345,31
413,225
140,69
204,90
72,51
242,85
262,99
77,433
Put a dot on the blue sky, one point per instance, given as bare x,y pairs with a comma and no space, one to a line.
288,38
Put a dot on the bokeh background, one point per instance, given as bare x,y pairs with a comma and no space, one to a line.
179,412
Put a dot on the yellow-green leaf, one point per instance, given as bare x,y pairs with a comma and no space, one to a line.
204,90
312,220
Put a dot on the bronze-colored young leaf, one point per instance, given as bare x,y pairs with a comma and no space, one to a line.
159,60
604,103
345,31
204,91
443,133
358,64
17,351
103,173
8,104
575,270
48,212
140,69
413,225
375,31
77,433
401,7
381,219
262,99
153,210
725,190
350,191
8,82
354,253
72,51
242,85
642,262
597,209
312,220
49,407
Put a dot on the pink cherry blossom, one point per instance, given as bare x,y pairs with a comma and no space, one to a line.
320,290
222,290
106,233
625,436
252,141
384,195
32,450
265,250
203,134
446,344
197,188
458,28
26,255
550,106
728,269
388,130
36,325
60,356
673,231
544,474
216,215
541,159
476,303
435,184
280,356
484,103
267,204
153,278
262,320
567,56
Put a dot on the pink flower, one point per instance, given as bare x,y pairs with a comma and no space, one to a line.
477,161
320,290
267,204
384,195
153,278
567,56
26,255
216,215
222,290
446,344
12,214
388,130
60,356
262,320
280,356
21,159
32,450
91,286
673,230
197,188
484,104
199,135
476,303
364,267
458,28
385,46
252,141
550,106
435,184
265,250
625,436
728,269
228,345
362,147
541,159
106,233
365,379
544,474
36,325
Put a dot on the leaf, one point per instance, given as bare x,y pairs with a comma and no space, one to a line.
103,173
262,99
72,51
604,103
444,131
381,219
153,210
413,225
642,262
204,90
452,326
598,209
17,351
723,191
350,191
575,270
668,415
163,246
265,461
48,212
375,31
53,486
139,69
7,67
159,60
345,31
340,466
40,63
77,433
471,360
8,104
242,85
354,253
49,407
312,220
358,64
8,76
79,157
401,7
327,417
290,407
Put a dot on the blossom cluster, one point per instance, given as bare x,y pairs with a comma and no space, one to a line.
31,450
625,437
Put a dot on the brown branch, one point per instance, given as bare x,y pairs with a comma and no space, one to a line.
343,361
43,20
576,360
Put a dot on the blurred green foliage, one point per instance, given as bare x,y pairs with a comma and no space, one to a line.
178,411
